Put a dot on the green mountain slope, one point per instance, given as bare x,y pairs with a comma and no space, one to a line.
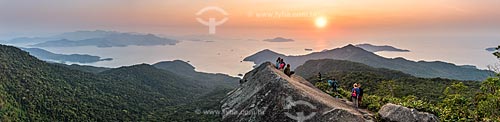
33,90
210,80
85,68
450,100
148,79
376,81
355,54
313,67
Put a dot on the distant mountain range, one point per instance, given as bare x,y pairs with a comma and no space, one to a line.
96,38
374,79
492,49
61,58
356,54
34,90
278,39
374,48
312,67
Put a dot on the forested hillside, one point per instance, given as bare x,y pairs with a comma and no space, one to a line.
451,100
377,81
33,90
314,67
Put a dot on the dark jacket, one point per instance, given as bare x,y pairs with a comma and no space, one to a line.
360,91
287,71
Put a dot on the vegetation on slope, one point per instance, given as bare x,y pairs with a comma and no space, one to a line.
33,90
451,100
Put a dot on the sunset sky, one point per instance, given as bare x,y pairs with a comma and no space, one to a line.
455,31
178,17
344,17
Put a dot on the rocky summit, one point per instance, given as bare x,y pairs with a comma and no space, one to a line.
267,94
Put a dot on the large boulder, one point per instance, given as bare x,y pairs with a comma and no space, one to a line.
267,94
396,113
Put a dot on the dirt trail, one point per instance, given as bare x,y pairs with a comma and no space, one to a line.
310,90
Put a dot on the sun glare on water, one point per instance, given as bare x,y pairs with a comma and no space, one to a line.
320,22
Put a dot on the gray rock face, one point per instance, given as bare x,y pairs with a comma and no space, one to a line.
267,94
396,113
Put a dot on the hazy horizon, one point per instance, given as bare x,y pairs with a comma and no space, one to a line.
344,18
224,55
455,31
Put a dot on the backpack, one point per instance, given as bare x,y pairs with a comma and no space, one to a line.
330,83
353,93
282,66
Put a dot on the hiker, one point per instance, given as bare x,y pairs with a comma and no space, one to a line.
354,95
278,62
330,83
334,84
360,95
243,81
319,77
282,64
287,70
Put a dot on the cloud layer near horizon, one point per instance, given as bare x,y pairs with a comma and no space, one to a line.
178,16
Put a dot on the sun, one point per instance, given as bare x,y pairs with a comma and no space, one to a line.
320,22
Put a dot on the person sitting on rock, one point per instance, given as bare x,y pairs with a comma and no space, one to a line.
287,71
282,64
278,62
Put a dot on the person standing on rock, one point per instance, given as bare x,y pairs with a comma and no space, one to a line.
330,83
360,94
354,95
335,86
319,77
